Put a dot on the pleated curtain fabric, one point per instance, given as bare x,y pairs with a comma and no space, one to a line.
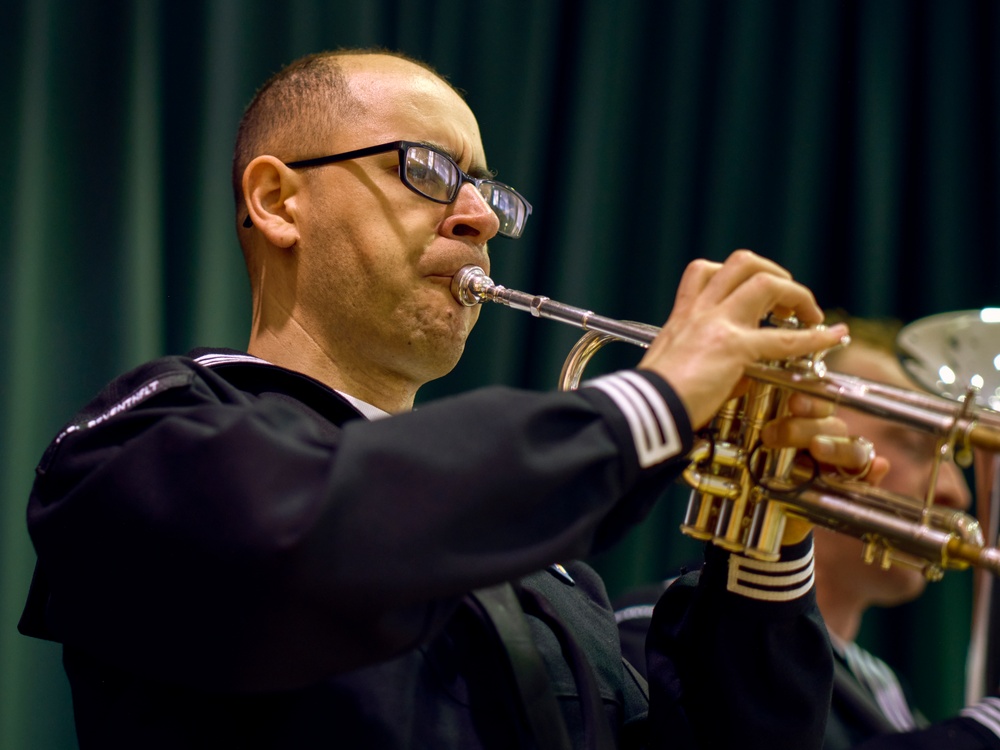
856,142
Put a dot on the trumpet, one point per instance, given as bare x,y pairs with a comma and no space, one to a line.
743,493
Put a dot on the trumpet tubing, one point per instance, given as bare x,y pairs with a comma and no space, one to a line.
743,493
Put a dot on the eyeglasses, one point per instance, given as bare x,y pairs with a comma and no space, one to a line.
435,175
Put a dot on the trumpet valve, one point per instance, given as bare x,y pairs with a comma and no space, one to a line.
876,552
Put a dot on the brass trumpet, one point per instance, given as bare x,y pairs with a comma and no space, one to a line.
743,493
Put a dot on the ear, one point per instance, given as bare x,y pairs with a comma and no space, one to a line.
270,190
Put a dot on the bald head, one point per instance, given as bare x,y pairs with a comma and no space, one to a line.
293,115
307,98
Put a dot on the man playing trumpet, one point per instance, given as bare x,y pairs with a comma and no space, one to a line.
271,549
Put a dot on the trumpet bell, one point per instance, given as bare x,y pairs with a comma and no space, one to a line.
955,352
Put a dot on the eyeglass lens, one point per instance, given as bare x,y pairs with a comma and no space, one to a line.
432,174
508,207
437,177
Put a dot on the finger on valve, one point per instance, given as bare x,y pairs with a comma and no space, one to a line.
705,359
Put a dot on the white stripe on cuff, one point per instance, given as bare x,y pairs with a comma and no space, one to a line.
647,413
780,581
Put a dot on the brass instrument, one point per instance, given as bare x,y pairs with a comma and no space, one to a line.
943,353
743,493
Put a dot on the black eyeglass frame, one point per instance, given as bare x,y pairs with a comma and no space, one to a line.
401,147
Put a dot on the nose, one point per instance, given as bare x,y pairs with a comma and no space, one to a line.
952,490
471,216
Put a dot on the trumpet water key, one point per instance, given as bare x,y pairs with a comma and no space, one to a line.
743,493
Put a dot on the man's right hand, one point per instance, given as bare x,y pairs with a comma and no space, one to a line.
714,332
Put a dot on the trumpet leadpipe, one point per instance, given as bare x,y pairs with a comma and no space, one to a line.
471,285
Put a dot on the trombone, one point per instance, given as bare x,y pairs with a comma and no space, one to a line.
742,493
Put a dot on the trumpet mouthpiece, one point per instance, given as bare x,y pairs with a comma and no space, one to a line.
469,284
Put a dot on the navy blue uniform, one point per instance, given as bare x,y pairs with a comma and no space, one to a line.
868,710
233,557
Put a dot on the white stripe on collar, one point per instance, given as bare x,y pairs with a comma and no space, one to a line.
882,684
986,712
218,358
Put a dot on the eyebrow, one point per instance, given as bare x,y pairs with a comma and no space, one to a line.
482,173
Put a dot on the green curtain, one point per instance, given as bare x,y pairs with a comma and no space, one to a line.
855,142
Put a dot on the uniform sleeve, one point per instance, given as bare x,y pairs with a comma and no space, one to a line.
977,728
200,535
738,656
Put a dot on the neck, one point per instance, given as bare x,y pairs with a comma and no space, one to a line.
841,613
303,353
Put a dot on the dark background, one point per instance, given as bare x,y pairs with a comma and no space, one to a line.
856,143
